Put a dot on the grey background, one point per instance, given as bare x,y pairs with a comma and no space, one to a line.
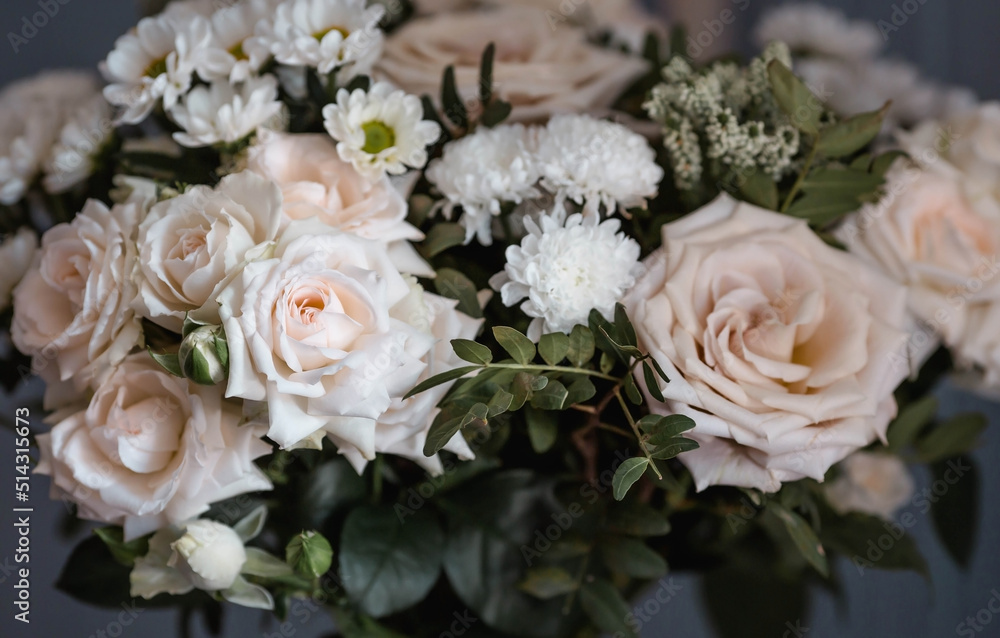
955,42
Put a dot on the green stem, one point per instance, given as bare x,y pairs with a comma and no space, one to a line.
802,178
541,368
635,428
579,583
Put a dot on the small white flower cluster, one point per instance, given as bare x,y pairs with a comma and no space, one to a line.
725,114
49,124
842,56
577,158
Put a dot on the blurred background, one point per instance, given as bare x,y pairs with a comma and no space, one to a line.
954,43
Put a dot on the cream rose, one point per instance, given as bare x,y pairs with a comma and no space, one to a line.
870,483
539,70
312,332
777,345
192,244
17,253
72,311
315,182
151,450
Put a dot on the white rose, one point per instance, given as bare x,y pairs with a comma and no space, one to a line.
870,483
17,253
151,450
72,311
315,182
192,244
778,346
210,554
540,71
312,332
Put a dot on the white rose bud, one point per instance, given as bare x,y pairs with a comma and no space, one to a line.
204,356
209,554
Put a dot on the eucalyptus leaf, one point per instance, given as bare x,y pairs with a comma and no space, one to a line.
757,187
515,343
543,429
626,475
472,351
604,604
553,347
547,582
632,557
438,379
454,285
441,237
911,421
851,135
803,536
552,397
795,98
581,346
955,436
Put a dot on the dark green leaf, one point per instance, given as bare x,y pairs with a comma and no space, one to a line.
955,436
624,326
168,362
388,565
749,598
956,512
758,188
553,347
431,112
451,101
673,447
820,211
871,543
500,403
636,519
359,82
795,98
633,558
516,344
524,386
495,113
330,489
906,427
471,351
632,390
841,183
441,237
803,536
851,135
438,379
659,371
627,474
652,383
486,75
454,285
547,582
552,397
881,164
543,428
607,362
581,346
124,553
580,391
604,604
670,425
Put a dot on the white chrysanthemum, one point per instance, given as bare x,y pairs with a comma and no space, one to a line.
324,34
155,61
594,162
813,28
482,170
566,270
871,483
32,113
224,112
81,140
235,53
381,130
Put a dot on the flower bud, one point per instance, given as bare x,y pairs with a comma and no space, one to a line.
309,553
204,355
209,554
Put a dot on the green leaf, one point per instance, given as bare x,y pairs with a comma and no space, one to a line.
388,565
471,351
673,447
553,347
607,362
451,101
261,564
624,326
795,98
438,379
441,237
545,583
956,512
955,436
524,386
581,346
626,475
330,489
803,536
669,426
632,390
758,188
870,543
652,383
552,397
845,183
636,519
124,553
169,362
499,403
495,113
881,164
309,553
906,427
445,426
92,575
516,344
819,211
431,112
486,74
747,597
851,135
454,285
659,371
633,558
543,429
604,604
580,391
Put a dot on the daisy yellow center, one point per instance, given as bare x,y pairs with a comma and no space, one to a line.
378,137
156,68
237,52
319,35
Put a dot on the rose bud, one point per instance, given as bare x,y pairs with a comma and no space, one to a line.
204,355
209,554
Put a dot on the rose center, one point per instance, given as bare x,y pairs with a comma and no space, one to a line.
378,137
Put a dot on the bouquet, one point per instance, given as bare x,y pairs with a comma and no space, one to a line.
403,308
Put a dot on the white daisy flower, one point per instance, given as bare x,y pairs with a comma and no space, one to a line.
236,54
156,60
594,162
566,270
481,171
813,28
32,113
381,130
81,140
225,112
324,34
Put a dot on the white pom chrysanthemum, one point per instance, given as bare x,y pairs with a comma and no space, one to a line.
224,112
594,162
566,270
482,170
381,130
325,35
235,53
81,140
813,28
